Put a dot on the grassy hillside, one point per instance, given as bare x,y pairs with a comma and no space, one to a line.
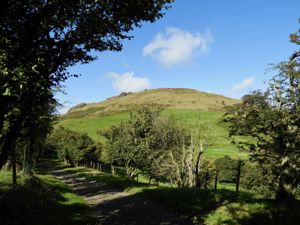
186,105
167,98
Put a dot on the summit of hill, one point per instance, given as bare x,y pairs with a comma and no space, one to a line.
165,98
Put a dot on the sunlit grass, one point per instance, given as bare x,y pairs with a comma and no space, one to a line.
41,199
68,196
186,117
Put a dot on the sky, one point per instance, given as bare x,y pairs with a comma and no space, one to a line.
216,46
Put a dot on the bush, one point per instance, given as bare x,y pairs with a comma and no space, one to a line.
258,179
208,171
73,147
145,142
227,168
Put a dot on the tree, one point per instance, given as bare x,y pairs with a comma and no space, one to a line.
168,158
258,179
227,169
128,142
39,40
271,121
73,147
202,139
295,38
146,142
160,147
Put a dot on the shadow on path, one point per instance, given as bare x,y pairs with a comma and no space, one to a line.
114,207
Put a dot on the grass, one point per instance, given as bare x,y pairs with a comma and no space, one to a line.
175,98
187,117
259,212
91,126
41,199
6,180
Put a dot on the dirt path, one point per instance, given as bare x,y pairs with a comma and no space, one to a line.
113,207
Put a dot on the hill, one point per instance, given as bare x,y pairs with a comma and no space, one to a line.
186,105
167,98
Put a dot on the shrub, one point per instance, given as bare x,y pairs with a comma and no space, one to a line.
227,168
73,147
258,179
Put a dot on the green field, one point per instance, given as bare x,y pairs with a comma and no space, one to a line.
187,117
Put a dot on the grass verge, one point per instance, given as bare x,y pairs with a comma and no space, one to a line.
41,199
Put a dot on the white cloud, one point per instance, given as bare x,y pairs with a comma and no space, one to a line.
177,46
127,82
247,83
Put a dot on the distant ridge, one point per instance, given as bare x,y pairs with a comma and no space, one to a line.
169,98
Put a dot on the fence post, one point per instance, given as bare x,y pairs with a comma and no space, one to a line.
113,172
216,179
239,166
137,178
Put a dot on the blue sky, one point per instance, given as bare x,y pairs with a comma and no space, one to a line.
219,46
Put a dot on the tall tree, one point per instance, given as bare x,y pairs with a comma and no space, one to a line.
40,39
271,120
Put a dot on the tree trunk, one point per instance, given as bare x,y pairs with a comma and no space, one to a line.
130,170
189,164
286,189
197,169
27,170
7,147
206,182
137,178
113,171
216,179
14,168
8,141
178,173
37,158
239,166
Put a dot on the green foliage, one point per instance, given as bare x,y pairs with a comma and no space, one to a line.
6,180
227,168
271,121
73,147
259,179
207,173
161,148
144,142
259,212
39,41
167,141
186,117
225,215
